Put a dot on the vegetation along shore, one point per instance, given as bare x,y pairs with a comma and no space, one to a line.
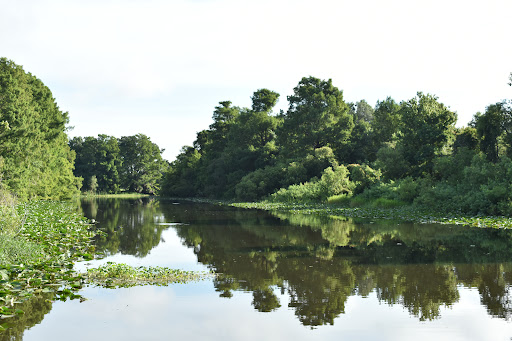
322,155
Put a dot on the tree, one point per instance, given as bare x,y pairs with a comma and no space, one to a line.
98,157
180,179
33,142
264,100
142,164
364,111
386,122
493,125
317,117
424,130
465,138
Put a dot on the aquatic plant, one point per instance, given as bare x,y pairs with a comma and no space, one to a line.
115,275
403,213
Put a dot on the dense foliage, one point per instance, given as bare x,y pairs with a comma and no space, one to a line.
35,159
109,165
323,149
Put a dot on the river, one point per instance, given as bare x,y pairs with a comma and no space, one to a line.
287,277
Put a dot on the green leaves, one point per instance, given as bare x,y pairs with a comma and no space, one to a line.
63,237
38,162
113,275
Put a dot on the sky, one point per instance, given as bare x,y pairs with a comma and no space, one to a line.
159,67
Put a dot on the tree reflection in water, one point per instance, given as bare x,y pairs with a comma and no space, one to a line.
321,262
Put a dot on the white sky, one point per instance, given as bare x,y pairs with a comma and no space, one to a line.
159,67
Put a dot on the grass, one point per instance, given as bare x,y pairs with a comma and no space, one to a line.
15,251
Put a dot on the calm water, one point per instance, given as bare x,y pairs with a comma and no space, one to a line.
287,277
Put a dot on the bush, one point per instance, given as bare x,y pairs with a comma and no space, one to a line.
306,192
259,183
363,176
333,182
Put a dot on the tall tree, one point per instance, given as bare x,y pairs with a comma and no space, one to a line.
33,140
364,111
317,116
98,158
386,122
424,130
494,124
264,100
142,164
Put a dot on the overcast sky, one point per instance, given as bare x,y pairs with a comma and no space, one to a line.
122,67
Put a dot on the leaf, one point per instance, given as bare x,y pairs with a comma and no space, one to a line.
4,275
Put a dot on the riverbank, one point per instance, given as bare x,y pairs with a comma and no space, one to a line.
403,213
39,243
37,255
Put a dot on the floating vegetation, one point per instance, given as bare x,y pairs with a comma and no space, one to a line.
57,237
403,213
62,237
116,275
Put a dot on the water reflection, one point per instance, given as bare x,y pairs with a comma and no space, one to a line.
310,264
131,225
321,262
34,311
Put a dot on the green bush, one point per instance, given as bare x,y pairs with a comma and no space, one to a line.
306,192
259,183
363,176
333,182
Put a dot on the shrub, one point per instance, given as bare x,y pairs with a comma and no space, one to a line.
363,176
333,182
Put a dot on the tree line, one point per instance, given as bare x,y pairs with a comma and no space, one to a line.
321,148
111,165
37,160
324,148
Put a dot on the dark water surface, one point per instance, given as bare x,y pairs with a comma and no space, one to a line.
286,277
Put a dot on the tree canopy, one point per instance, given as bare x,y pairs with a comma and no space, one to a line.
111,165
37,161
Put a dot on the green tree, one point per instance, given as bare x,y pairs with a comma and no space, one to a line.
385,124
364,111
491,127
317,117
466,137
33,141
98,157
142,164
180,179
424,131
264,100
